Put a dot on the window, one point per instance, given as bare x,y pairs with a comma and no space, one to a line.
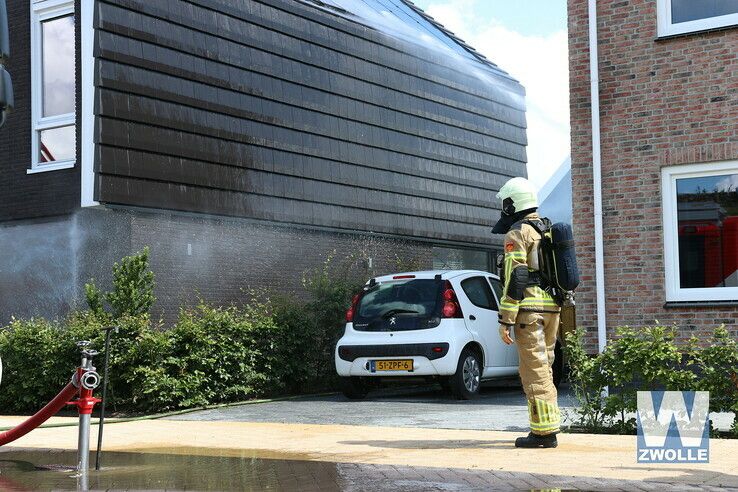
478,291
53,85
700,204
496,286
460,259
683,16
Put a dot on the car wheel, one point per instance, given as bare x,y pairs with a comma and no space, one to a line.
354,388
558,365
466,382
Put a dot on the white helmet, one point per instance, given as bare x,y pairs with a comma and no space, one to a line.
517,195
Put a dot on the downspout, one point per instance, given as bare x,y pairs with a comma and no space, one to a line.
594,79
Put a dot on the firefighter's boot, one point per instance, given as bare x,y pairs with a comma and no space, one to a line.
536,441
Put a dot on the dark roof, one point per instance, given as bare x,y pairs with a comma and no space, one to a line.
410,15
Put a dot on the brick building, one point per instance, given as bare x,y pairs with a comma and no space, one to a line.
668,97
244,142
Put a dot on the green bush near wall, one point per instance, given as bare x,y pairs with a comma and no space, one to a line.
211,355
649,359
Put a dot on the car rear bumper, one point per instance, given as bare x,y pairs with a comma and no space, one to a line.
429,359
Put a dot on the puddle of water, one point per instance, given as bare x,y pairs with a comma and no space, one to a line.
54,470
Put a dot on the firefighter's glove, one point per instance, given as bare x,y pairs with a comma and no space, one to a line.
505,334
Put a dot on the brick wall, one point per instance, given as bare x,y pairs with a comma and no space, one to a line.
29,195
220,260
45,263
663,102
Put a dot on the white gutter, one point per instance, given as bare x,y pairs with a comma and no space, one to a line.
597,176
87,119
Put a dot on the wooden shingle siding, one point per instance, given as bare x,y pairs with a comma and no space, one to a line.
276,110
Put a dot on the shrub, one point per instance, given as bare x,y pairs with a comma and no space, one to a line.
211,355
587,382
133,288
34,363
644,360
717,368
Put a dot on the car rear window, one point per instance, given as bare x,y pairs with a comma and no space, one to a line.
406,298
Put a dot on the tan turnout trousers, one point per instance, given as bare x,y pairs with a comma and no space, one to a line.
535,336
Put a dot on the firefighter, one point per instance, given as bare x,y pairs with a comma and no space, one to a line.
529,311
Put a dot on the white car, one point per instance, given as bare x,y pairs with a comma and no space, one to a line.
439,325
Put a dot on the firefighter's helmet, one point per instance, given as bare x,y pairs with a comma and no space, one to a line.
517,195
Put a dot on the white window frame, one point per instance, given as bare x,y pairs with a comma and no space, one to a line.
669,176
667,28
41,11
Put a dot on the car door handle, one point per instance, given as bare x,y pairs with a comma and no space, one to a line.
472,317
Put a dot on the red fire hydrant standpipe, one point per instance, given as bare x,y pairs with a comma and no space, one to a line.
87,380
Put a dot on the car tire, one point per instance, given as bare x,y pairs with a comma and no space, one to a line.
558,364
467,380
354,388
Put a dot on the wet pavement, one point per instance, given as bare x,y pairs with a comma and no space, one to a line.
398,439
25,470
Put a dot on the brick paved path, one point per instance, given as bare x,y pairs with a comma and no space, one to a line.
361,477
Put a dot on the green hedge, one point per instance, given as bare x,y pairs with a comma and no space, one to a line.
649,359
211,355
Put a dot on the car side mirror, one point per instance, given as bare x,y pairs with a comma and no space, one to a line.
6,95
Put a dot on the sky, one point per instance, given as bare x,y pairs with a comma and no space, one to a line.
529,41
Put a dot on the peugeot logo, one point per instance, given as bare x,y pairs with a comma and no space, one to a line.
393,320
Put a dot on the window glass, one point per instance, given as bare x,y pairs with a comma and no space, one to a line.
460,259
478,291
410,297
496,286
691,10
57,144
707,215
58,65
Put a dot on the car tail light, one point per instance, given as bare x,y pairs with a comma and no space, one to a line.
398,277
352,310
451,308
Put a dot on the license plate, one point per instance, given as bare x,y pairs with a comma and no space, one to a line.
392,365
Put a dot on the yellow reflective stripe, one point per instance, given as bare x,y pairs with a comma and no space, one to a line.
545,417
516,254
528,302
543,427
545,430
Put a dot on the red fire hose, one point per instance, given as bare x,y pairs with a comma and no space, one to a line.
39,417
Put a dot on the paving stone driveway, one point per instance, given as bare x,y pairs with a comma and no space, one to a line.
501,407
